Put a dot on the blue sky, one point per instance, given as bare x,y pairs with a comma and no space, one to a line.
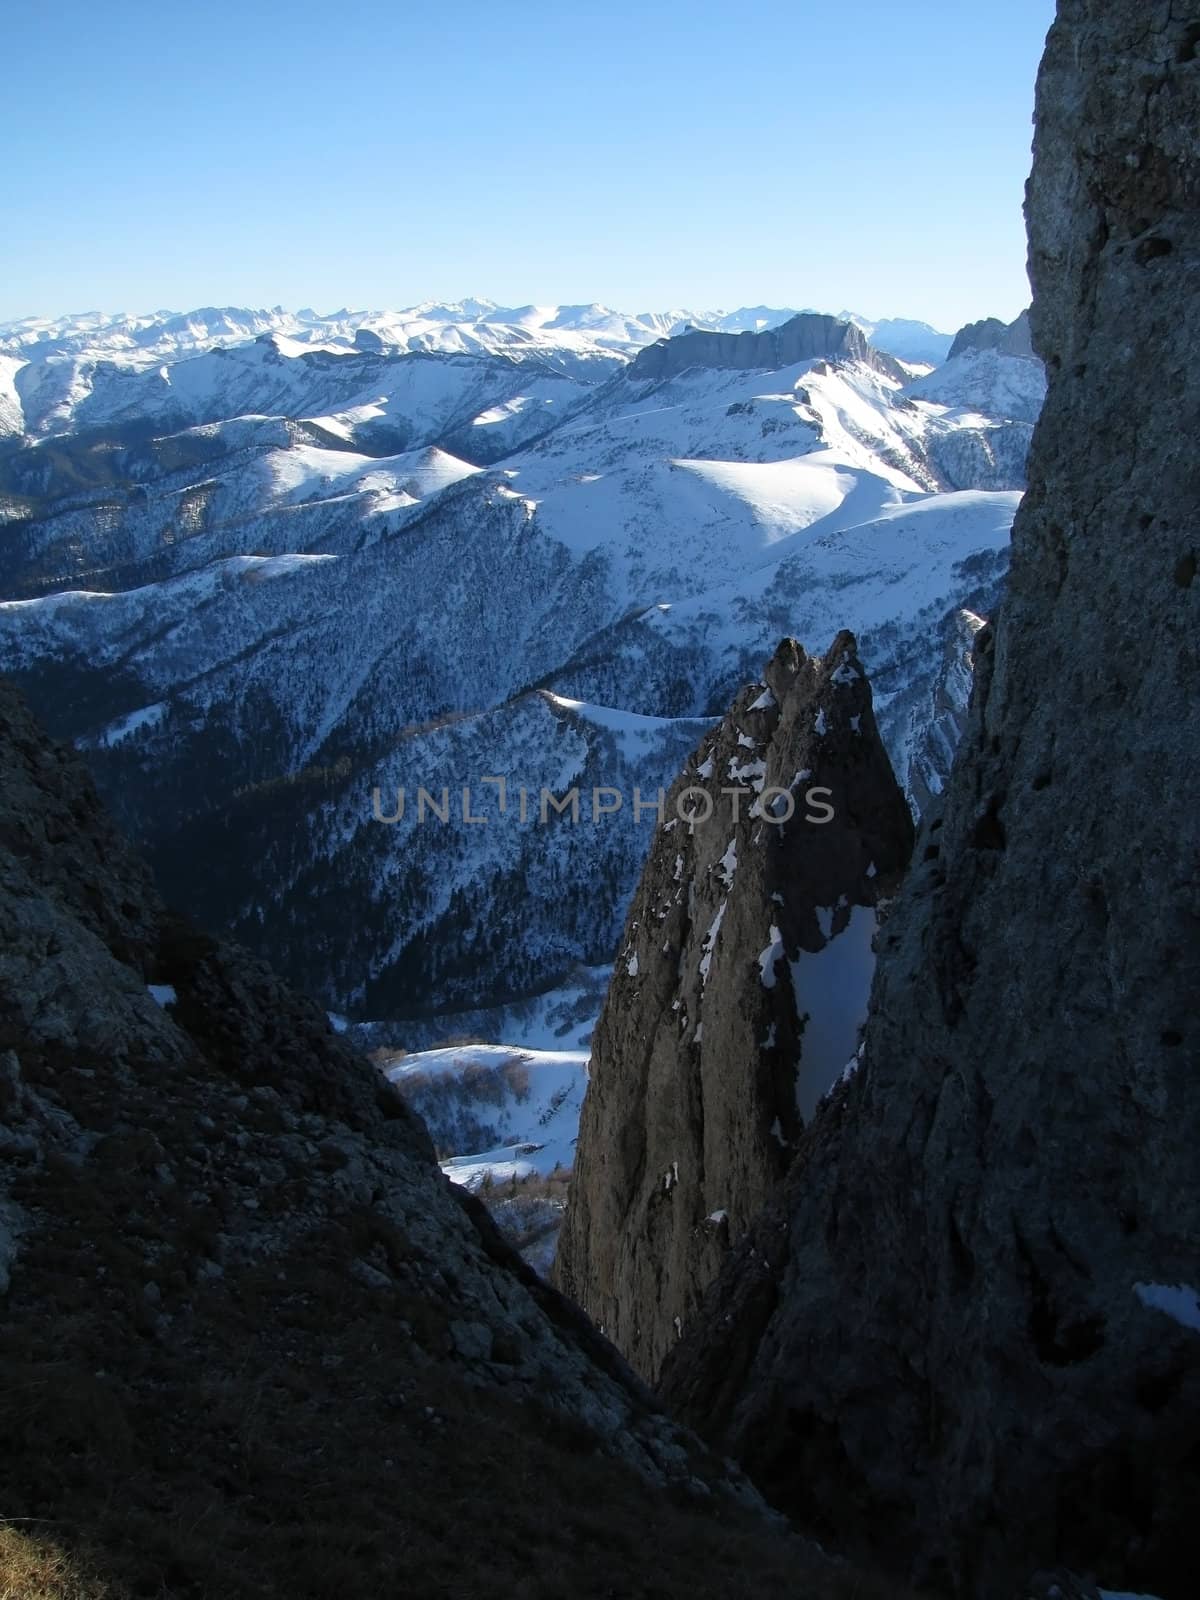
844,154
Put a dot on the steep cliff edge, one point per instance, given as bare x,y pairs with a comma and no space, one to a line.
971,1328
251,1342
738,992
806,337
1008,338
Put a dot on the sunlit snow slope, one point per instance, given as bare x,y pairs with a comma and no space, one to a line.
258,583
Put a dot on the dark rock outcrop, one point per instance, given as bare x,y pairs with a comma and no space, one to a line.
1006,338
738,993
252,1343
969,1331
807,337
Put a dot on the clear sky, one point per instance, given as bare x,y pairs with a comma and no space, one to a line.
843,154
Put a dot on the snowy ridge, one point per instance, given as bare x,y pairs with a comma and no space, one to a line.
12,415
85,368
985,383
258,620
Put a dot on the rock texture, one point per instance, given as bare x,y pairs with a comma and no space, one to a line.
968,1333
738,992
807,337
933,749
1007,338
251,1341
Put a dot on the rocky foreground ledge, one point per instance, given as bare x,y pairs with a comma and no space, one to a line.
251,1342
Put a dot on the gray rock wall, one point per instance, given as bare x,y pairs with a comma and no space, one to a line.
738,991
1008,338
970,1329
807,337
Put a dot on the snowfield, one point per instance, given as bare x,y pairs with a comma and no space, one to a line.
276,572
528,1103
531,1098
12,415
270,566
832,987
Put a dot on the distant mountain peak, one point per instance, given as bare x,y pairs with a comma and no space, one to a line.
808,336
1007,338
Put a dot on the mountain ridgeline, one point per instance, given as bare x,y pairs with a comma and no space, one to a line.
258,581
1008,338
804,338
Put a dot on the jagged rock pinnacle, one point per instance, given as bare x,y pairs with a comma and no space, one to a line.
739,987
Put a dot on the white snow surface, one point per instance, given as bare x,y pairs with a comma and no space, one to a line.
12,415
769,956
635,733
727,865
375,543
984,382
832,987
537,1118
710,943
127,726
1179,1301
305,472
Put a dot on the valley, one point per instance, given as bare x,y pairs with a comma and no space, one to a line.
268,573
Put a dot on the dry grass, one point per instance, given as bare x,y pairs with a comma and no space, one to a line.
33,1567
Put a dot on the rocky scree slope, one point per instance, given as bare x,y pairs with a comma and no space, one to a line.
970,1327
738,992
252,1343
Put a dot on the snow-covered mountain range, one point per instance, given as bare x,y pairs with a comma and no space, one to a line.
262,565
60,374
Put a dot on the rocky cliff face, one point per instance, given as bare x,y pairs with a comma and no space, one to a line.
739,989
970,1328
807,337
1007,338
251,1342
